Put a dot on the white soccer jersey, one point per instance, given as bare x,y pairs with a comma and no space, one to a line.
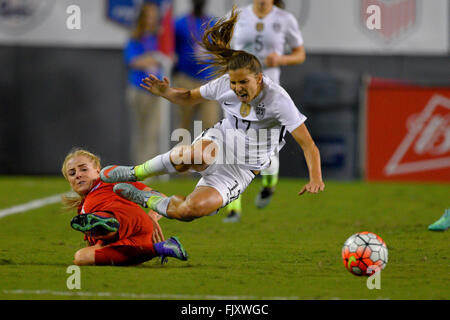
261,37
253,131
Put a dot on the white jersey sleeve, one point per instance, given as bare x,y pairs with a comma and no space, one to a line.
213,89
288,114
293,34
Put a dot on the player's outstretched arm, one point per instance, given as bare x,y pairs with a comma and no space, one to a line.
157,235
297,56
178,96
312,156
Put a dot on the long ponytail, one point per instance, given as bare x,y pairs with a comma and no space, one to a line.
217,53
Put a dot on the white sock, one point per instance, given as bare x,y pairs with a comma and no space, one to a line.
167,163
161,205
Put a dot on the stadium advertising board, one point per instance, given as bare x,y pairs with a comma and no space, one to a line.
407,132
405,26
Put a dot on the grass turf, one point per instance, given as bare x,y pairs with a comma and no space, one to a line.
291,249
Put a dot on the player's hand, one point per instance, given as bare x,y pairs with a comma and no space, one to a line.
155,86
312,187
157,235
273,60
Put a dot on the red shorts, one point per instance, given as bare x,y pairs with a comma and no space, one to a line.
132,251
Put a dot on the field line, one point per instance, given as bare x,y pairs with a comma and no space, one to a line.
139,295
38,203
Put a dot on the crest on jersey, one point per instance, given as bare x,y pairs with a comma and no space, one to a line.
259,26
245,109
260,111
276,27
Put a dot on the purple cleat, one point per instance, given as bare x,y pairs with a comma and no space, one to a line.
171,248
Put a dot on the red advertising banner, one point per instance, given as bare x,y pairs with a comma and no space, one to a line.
407,132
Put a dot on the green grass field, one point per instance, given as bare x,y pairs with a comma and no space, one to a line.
290,250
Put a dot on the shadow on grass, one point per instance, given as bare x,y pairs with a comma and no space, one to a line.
165,266
6,262
147,265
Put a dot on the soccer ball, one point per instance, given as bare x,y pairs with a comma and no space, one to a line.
364,253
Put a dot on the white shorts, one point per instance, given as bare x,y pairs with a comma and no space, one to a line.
230,180
274,166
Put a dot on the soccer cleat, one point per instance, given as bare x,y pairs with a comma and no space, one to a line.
171,248
442,224
130,192
111,174
264,197
233,216
94,224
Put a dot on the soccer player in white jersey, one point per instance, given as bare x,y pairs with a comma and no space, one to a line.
258,113
265,30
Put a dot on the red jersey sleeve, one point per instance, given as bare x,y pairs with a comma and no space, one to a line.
140,185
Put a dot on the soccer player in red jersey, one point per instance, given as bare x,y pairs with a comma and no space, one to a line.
118,231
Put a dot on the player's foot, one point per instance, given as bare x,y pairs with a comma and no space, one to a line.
233,216
111,174
130,192
264,197
171,248
94,224
442,224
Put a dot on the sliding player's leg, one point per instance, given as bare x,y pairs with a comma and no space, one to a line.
197,157
86,256
202,201
111,250
124,252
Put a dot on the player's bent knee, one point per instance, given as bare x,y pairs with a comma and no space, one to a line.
84,257
199,167
203,154
181,157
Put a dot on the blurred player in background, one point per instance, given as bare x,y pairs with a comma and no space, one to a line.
265,30
118,231
253,105
443,223
141,58
189,74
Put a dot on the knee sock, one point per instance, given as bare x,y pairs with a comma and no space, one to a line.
235,205
270,180
270,174
159,165
159,204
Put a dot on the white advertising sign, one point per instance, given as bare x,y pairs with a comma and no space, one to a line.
328,26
